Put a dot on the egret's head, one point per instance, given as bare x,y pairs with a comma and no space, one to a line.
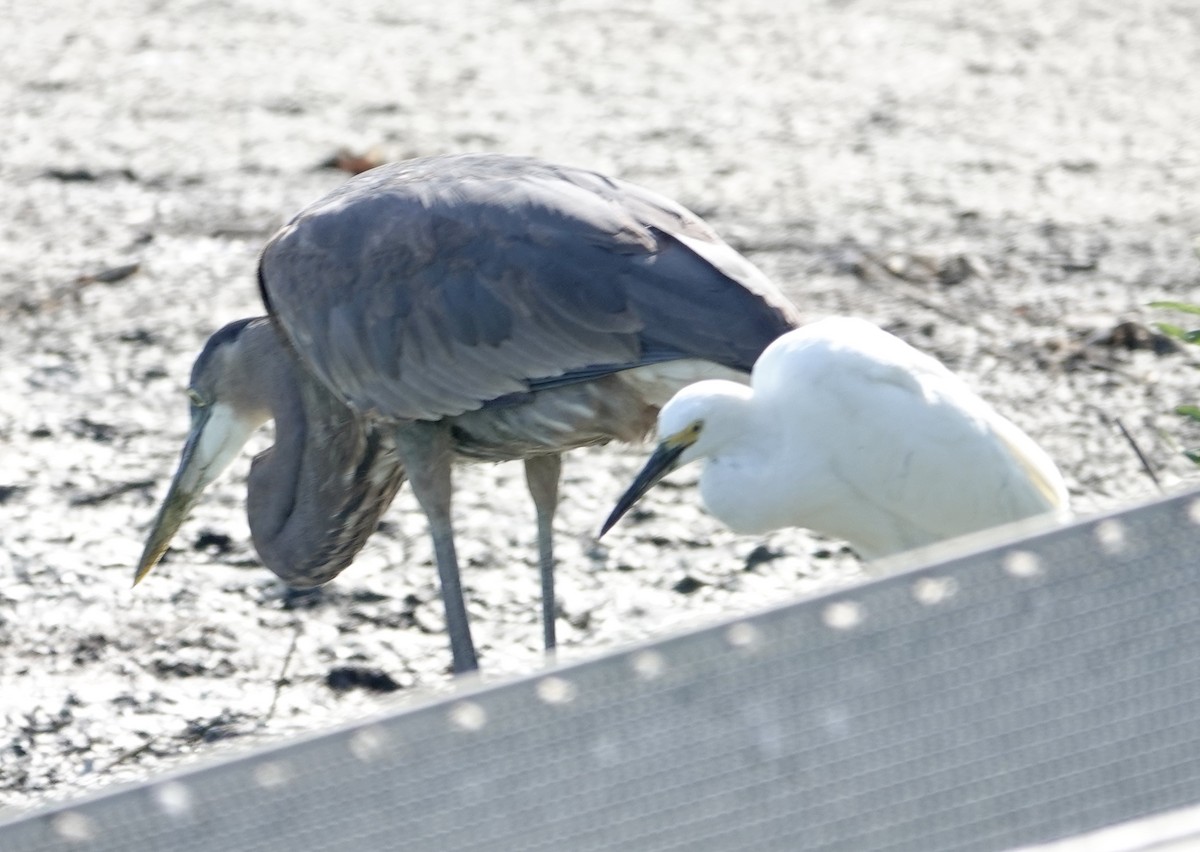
692,426
224,412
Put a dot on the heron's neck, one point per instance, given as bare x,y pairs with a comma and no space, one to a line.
317,494
272,380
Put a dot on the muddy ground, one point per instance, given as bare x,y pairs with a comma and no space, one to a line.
1004,185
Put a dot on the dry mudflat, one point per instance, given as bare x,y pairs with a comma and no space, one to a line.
1005,185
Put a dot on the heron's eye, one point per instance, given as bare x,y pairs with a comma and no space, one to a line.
194,396
695,428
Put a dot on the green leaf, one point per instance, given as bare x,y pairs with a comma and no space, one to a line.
1189,411
1178,333
1194,455
1185,307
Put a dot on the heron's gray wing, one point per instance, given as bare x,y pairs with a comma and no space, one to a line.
426,289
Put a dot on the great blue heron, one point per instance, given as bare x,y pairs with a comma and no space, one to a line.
847,430
480,306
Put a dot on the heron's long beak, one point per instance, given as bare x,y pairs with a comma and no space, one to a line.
664,460
216,436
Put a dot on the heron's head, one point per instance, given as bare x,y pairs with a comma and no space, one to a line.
694,424
226,407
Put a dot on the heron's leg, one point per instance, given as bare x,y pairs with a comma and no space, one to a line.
542,472
426,451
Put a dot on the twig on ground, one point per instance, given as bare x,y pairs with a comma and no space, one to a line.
1141,456
281,679
128,755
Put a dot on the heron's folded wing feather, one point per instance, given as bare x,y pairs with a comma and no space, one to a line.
426,289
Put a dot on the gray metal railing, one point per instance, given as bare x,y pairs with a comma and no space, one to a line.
1014,696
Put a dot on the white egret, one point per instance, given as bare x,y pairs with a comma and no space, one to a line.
849,431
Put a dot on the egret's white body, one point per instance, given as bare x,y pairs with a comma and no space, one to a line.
849,431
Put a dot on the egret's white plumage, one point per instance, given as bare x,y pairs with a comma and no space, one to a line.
849,431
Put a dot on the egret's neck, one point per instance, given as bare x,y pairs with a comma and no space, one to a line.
730,420
743,481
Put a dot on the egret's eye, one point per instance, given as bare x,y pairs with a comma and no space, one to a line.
694,429
194,397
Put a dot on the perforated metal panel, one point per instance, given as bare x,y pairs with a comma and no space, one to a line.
1014,696
1174,831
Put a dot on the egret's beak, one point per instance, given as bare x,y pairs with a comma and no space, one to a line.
216,436
664,460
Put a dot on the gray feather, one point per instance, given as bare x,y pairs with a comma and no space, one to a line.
429,288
